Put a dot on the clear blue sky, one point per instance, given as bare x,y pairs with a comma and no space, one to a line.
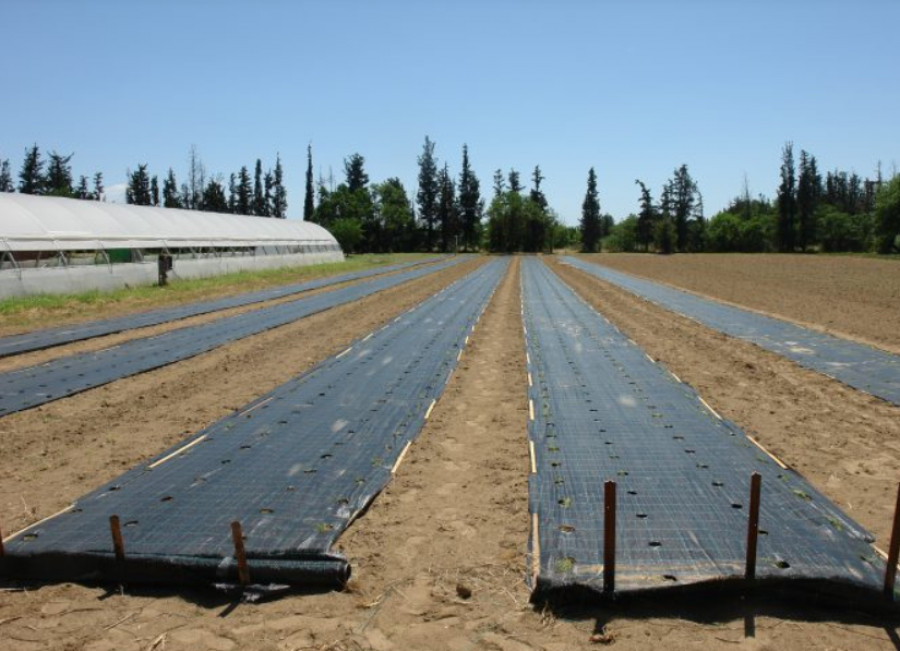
633,89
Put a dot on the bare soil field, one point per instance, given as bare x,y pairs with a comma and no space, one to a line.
440,558
853,297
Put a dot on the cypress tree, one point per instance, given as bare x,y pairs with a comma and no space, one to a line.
258,207
154,191
98,186
590,215
279,198
31,177
787,200
232,193
244,201
447,210
309,206
646,221
470,203
427,196
809,189
269,188
6,182
170,191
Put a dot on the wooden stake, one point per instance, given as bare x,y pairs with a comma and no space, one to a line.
2,552
609,537
238,536
890,573
753,526
116,531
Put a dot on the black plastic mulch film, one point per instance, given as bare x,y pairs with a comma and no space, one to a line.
49,337
857,365
295,467
602,410
35,385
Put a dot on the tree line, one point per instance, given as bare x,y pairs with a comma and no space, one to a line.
55,180
838,212
446,214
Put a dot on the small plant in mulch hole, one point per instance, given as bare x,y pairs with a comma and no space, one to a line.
553,448
622,473
377,461
566,528
718,484
266,511
556,464
559,481
324,527
564,565
780,564
803,495
565,502
342,501
655,543
834,522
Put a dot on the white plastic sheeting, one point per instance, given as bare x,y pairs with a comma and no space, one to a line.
32,223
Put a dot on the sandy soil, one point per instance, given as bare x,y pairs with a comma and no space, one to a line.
440,558
849,296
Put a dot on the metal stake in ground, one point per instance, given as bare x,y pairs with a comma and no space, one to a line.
1,543
118,543
753,526
609,537
238,537
890,573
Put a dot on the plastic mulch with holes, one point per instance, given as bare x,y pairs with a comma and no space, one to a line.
295,467
602,410
50,337
862,367
65,376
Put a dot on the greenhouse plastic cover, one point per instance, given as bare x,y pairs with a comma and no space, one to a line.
32,223
604,411
862,367
294,467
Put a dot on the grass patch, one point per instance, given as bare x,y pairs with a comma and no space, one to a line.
24,312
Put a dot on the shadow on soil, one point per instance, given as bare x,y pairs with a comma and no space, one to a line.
712,606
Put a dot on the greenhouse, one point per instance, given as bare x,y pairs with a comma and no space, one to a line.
59,245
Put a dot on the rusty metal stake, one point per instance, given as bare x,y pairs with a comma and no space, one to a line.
238,537
118,544
890,573
609,537
753,526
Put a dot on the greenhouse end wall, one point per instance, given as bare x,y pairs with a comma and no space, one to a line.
83,278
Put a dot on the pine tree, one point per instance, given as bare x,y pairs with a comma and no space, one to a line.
213,198
279,196
680,201
31,177
244,201
259,199
170,191
499,183
590,215
58,181
83,192
427,196
98,187
309,206
787,200
514,184
470,203
154,191
6,182
138,190
537,194
356,176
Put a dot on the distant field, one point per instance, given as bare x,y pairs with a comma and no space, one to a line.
858,297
